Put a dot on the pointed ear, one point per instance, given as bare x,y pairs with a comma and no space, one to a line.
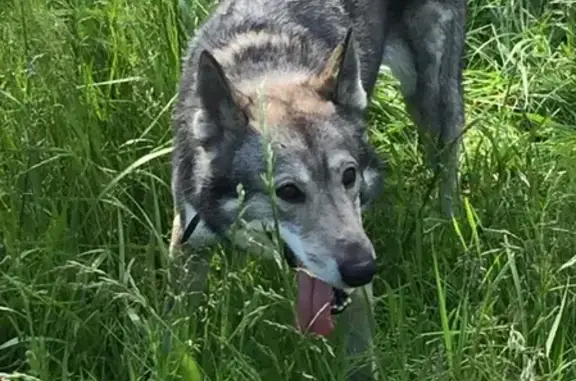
349,90
325,82
225,119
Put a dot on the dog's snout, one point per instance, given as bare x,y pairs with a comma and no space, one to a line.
357,273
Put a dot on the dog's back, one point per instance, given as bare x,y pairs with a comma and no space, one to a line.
252,38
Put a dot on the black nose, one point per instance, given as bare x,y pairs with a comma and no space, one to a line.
356,274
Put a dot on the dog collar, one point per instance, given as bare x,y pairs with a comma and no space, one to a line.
190,229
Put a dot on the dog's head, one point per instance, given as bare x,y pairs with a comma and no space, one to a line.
324,169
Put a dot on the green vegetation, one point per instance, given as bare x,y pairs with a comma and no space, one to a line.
86,91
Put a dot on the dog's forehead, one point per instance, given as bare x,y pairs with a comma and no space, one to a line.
301,141
311,148
294,115
306,131
275,102
305,136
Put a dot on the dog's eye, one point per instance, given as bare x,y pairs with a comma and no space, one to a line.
290,193
349,177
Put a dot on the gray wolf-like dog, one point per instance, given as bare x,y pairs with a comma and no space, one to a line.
288,82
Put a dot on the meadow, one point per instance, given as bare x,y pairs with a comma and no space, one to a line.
86,92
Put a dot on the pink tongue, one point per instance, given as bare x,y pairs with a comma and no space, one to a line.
314,300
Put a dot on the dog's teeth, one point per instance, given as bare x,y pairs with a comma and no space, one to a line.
336,310
340,302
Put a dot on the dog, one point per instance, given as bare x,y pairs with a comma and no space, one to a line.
269,130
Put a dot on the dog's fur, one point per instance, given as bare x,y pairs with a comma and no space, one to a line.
295,77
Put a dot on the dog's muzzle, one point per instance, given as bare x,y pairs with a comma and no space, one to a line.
341,299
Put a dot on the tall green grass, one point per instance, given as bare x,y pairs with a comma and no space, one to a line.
86,91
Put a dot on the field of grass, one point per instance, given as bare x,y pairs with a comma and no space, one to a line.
86,91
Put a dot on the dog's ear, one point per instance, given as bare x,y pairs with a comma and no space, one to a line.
349,90
226,119
340,80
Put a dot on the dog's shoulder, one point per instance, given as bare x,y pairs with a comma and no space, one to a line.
318,18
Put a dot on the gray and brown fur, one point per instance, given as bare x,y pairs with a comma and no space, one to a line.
284,73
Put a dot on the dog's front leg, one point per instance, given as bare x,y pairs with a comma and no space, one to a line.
359,331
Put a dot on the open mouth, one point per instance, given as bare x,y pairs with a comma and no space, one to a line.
340,299
317,301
